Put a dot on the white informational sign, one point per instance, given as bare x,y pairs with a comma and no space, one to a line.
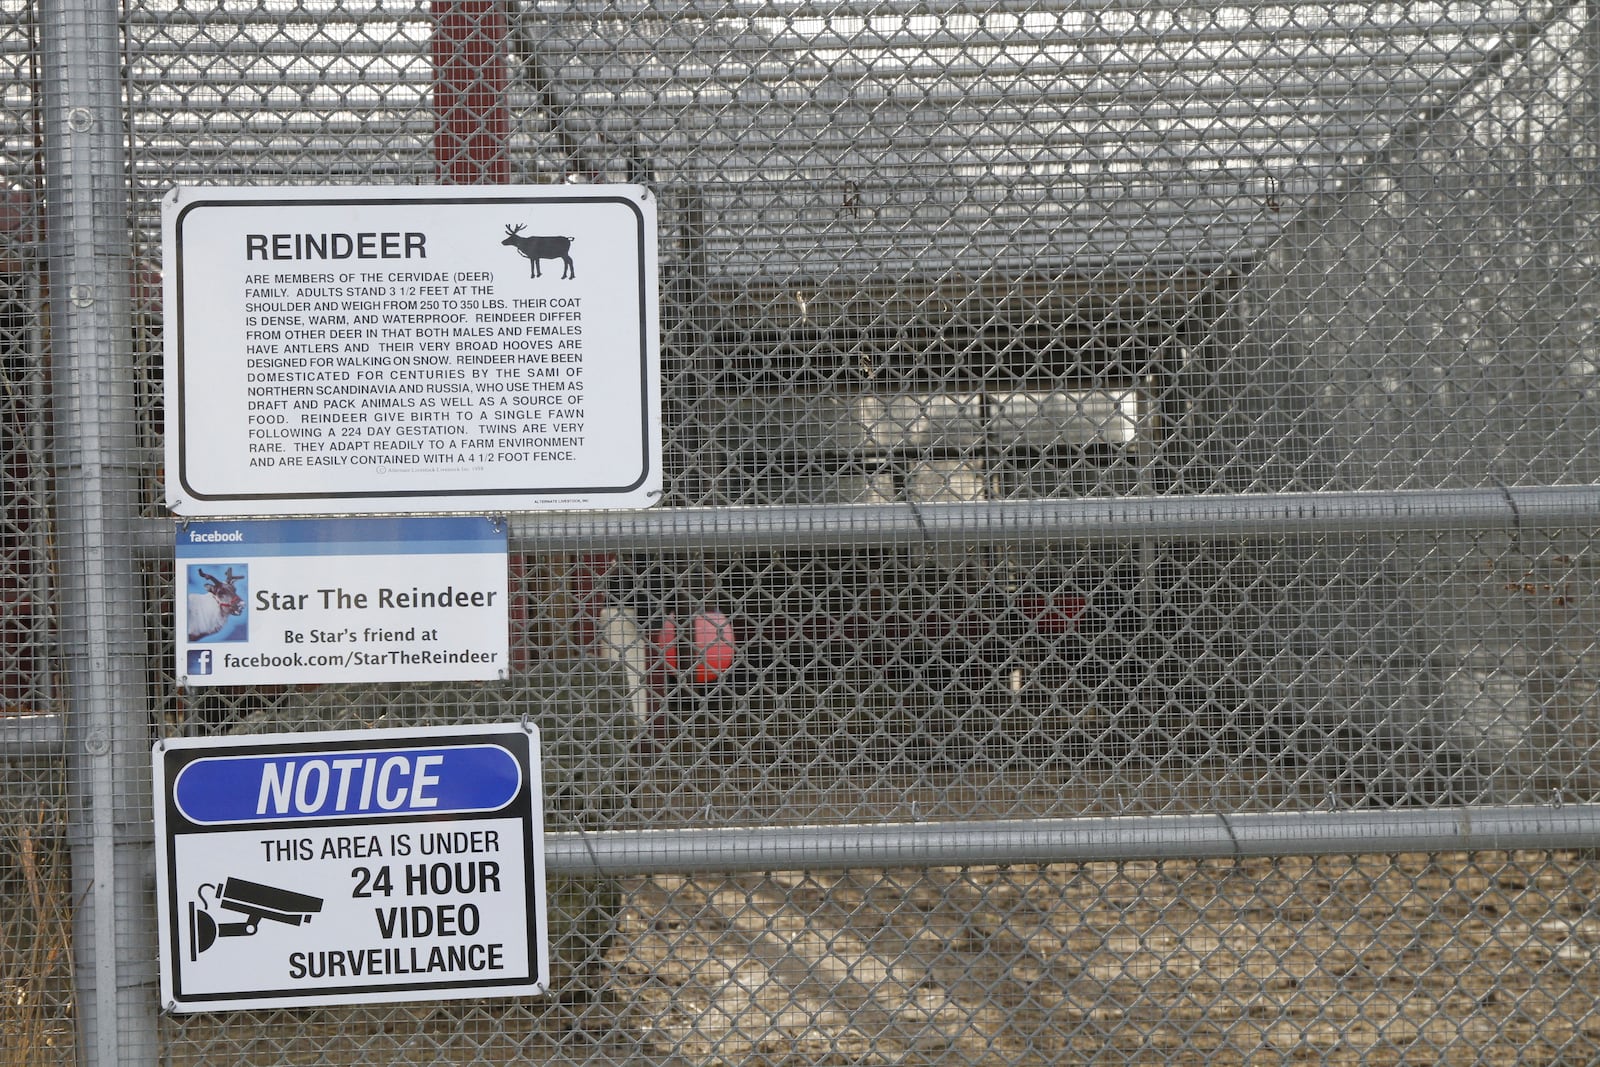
408,350
350,867
289,601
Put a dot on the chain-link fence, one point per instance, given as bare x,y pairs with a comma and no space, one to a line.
1126,586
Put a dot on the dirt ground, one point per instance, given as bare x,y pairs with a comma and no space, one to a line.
1458,959
1486,959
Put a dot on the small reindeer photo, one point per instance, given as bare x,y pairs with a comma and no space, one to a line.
533,249
217,609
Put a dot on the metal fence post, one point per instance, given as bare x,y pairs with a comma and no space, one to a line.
98,489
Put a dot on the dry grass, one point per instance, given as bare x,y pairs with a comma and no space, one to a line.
36,940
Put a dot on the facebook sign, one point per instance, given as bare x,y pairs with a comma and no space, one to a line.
200,661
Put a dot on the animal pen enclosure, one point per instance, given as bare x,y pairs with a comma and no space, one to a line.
1125,587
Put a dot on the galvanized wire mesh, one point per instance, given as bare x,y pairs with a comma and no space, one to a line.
1074,415
1478,959
35,919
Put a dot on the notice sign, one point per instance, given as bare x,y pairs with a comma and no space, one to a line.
349,867
287,601
358,349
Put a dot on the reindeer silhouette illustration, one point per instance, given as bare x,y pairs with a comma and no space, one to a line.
537,248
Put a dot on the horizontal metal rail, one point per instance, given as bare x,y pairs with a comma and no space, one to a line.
32,735
616,853
797,60
1021,18
1265,515
741,10
1243,515
1142,114
1019,37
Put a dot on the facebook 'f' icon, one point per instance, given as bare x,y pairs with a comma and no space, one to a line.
199,661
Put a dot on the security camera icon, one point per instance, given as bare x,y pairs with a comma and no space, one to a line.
252,900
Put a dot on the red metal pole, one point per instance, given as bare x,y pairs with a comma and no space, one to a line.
472,123
471,39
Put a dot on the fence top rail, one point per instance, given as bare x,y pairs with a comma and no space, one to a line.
1236,515
1232,515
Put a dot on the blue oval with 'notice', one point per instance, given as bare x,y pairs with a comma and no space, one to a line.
359,783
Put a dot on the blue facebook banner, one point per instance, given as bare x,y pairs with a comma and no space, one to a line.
411,536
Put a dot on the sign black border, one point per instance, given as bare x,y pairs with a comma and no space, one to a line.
515,739
177,322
